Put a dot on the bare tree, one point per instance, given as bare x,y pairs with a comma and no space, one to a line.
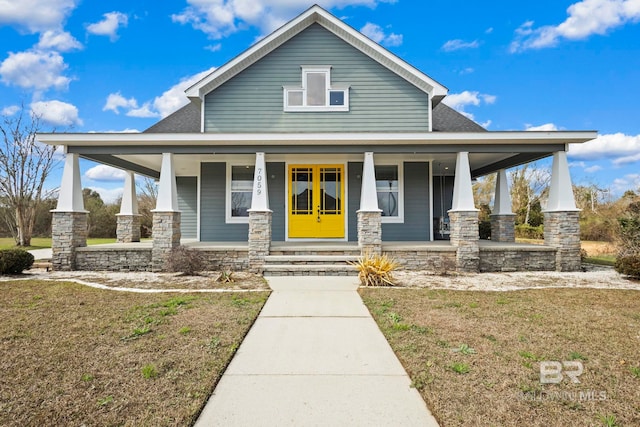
25,165
147,196
529,186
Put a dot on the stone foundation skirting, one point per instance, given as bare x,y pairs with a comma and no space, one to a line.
98,258
494,260
441,260
113,259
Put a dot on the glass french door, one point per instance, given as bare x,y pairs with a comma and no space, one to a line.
316,201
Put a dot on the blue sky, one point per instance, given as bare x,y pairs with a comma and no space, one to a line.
118,66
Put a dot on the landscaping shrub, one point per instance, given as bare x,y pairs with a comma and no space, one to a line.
376,269
526,231
629,266
185,260
15,261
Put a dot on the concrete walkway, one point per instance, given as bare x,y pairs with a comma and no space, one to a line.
41,253
315,357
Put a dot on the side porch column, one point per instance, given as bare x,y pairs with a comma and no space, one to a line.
128,224
502,218
166,216
259,217
69,227
463,218
561,217
369,215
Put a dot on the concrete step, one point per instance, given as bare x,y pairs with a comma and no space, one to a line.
310,259
309,270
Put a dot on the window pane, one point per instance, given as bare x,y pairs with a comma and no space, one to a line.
294,98
241,190
316,89
387,188
336,97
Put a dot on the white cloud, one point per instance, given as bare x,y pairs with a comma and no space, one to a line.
109,25
34,70
35,15
56,113
115,101
620,148
585,18
58,40
377,34
467,70
593,169
486,124
628,182
10,110
458,44
219,18
163,105
544,127
143,112
459,101
214,47
105,173
108,195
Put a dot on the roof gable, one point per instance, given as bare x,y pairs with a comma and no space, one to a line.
316,14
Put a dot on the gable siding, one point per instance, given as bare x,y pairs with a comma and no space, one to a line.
188,205
252,101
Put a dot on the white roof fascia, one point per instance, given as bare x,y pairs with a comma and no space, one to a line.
498,138
334,25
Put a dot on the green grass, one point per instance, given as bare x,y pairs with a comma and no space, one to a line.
45,242
601,260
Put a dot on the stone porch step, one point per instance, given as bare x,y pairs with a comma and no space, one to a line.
310,259
309,270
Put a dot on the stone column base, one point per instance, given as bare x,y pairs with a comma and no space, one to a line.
503,228
128,228
259,239
562,231
68,231
166,236
464,235
370,232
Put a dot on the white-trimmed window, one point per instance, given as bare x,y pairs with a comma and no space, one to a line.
239,192
316,92
389,187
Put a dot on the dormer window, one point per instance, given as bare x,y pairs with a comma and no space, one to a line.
316,92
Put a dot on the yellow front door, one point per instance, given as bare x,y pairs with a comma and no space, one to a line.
316,201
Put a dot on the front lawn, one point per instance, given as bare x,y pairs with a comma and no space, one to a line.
74,355
45,242
475,356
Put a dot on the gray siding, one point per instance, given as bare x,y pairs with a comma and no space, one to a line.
381,101
277,187
188,204
416,204
213,227
353,203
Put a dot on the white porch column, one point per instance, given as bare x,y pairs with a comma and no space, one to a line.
463,218
259,217
561,217
369,215
69,224
166,216
128,225
502,217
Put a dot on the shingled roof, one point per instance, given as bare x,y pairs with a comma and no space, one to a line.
187,120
